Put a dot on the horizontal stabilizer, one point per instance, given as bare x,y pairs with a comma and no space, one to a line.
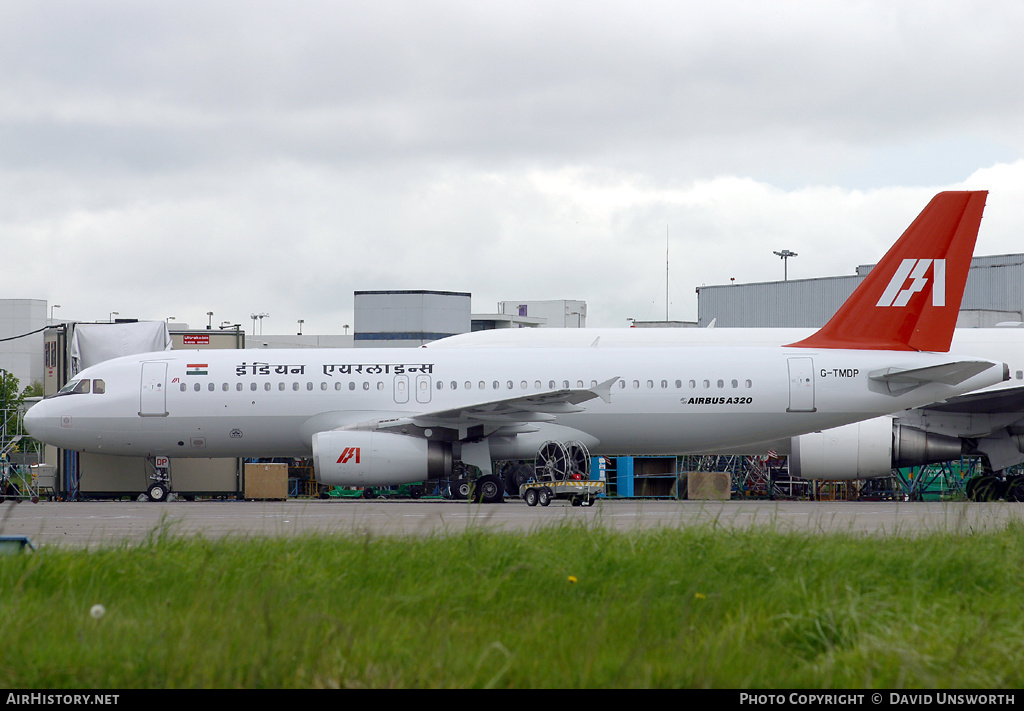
986,402
899,379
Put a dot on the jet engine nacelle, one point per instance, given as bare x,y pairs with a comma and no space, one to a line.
370,458
867,450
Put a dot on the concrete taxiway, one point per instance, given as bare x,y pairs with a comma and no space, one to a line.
109,523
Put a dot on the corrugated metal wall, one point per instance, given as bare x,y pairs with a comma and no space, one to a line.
994,293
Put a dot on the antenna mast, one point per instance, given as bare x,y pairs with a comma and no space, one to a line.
666,273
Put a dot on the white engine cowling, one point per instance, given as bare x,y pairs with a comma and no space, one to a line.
370,458
867,450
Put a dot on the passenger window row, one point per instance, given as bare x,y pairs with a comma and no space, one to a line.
295,386
281,386
623,384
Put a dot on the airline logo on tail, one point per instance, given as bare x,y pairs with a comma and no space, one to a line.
347,454
896,295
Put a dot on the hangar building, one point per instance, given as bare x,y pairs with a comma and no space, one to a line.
994,294
21,356
406,319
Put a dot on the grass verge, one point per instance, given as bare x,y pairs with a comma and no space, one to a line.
568,606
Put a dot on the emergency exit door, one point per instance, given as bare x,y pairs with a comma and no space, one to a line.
423,386
401,389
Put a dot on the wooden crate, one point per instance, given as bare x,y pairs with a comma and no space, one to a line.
266,481
707,486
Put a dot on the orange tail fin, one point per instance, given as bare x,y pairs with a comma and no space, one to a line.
911,299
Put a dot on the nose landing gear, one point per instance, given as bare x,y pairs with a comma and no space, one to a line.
161,476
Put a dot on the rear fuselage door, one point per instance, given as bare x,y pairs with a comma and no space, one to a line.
801,385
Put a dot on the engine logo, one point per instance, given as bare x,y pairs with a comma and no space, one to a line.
347,454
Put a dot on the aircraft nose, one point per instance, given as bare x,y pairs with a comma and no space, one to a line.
38,421
32,420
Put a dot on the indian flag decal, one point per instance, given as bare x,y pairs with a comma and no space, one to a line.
196,369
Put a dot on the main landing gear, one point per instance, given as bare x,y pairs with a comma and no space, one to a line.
555,463
487,489
990,487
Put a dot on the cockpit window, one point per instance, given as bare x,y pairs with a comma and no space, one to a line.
76,386
79,386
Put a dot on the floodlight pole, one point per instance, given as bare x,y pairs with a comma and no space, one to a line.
785,255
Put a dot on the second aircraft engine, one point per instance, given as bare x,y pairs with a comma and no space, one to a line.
867,450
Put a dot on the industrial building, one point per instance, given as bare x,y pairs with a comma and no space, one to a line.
406,319
994,294
22,355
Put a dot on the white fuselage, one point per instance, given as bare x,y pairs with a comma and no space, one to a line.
999,344
669,400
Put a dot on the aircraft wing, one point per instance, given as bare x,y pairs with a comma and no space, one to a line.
508,412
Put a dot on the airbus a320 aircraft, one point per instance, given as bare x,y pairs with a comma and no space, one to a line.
378,417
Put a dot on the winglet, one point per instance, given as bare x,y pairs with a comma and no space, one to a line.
604,390
911,299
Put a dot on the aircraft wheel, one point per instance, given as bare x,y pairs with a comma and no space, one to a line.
545,496
157,492
531,497
9,490
517,475
1015,489
488,490
460,489
984,488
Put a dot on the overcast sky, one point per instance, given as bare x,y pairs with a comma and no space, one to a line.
172,158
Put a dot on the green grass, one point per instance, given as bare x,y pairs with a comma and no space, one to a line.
561,607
